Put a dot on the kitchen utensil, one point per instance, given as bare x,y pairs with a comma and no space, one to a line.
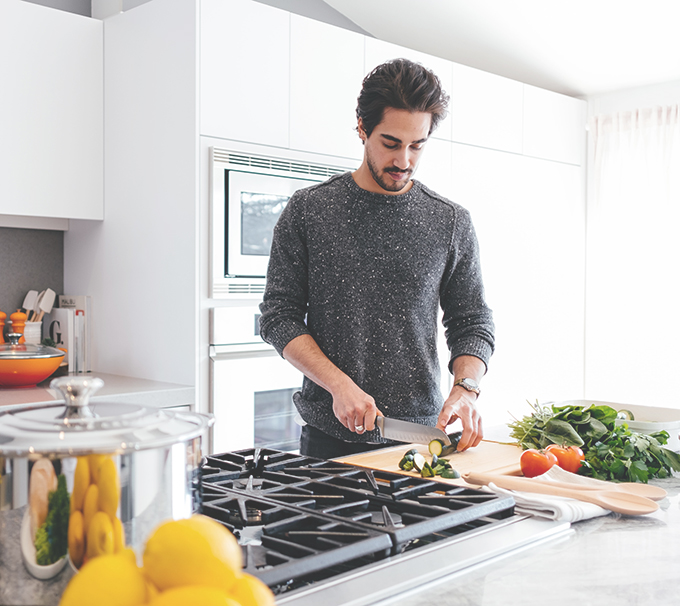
36,306
655,493
144,463
46,303
29,302
614,500
24,365
404,431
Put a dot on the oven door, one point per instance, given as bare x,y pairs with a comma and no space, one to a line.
252,398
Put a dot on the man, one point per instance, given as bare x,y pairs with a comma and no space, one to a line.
366,258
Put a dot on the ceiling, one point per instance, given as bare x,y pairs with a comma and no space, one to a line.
576,47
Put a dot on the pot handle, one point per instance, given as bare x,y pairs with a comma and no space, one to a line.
76,392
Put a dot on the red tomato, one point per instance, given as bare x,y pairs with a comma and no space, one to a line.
535,462
568,457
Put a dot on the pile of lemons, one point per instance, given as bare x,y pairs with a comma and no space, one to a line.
94,529
193,562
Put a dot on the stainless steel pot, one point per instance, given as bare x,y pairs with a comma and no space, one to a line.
80,479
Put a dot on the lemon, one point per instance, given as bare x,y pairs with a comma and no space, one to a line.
95,461
76,538
250,591
100,536
196,551
193,595
118,535
109,487
112,580
81,480
90,505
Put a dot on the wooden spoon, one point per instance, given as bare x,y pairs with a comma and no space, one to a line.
614,500
655,493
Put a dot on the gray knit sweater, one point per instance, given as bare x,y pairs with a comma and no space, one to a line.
363,274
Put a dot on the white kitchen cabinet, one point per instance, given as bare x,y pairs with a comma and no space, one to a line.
326,71
51,113
244,71
378,51
486,109
554,126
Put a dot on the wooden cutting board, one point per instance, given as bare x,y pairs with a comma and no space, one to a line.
488,457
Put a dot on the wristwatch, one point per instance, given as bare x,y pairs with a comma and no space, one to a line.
469,384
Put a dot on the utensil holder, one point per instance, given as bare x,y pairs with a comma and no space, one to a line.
33,332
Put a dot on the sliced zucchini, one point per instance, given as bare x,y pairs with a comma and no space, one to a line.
435,459
408,466
427,471
419,461
413,451
435,447
405,459
450,474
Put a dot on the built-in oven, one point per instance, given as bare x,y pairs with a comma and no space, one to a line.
252,386
248,194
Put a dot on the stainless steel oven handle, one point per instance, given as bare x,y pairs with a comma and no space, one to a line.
241,350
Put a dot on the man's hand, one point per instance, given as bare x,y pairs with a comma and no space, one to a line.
461,405
354,408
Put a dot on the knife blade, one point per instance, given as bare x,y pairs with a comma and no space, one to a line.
405,431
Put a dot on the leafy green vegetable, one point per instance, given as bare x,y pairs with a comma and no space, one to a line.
51,539
42,546
612,452
57,519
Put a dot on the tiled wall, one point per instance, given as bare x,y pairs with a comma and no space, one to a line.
30,259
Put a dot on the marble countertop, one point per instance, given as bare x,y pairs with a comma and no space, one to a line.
614,560
126,390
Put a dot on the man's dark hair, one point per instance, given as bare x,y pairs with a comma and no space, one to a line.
400,84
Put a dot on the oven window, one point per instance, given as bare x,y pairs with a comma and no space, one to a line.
275,425
259,214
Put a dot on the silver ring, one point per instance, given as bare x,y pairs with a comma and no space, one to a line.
359,428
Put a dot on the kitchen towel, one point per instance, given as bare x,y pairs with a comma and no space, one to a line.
560,509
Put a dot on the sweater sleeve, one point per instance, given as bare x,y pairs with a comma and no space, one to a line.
284,304
468,322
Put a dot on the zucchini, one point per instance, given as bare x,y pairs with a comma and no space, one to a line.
427,471
419,462
435,460
436,447
450,474
405,459
408,466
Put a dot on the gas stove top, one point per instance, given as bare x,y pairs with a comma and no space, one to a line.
309,526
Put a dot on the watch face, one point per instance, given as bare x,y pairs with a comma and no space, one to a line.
470,383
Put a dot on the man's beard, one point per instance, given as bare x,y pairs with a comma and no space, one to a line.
384,181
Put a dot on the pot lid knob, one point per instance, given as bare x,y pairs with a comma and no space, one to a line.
13,337
76,392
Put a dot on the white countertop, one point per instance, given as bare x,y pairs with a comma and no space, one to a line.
127,390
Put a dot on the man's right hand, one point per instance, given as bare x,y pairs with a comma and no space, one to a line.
352,406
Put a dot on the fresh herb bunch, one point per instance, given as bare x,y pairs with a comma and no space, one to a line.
612,452
51,539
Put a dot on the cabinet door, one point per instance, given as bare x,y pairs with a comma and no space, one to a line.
378,51
244,71
554,126
486,109
327,68
51,113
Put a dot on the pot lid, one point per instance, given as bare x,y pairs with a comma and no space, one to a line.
26,351
76,427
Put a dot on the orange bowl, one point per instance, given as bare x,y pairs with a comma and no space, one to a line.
27,372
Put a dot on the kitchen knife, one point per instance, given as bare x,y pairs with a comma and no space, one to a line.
405,431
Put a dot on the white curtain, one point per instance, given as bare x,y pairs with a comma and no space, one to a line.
633,258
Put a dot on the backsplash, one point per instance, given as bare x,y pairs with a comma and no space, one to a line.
30,259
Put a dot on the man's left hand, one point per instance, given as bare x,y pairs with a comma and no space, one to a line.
461,405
